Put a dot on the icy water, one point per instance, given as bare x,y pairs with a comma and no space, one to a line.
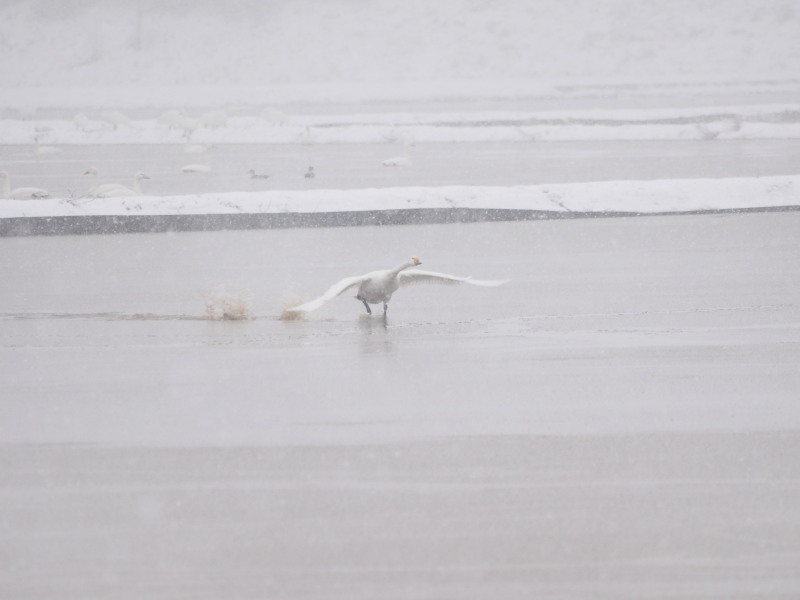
619,420
349,166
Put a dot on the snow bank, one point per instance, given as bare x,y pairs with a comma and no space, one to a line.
635,197
734,122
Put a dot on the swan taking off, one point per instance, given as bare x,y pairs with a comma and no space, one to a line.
23,193
378,286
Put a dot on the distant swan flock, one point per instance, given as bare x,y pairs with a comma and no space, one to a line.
378,286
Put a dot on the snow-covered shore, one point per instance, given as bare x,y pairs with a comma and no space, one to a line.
633,197
774,121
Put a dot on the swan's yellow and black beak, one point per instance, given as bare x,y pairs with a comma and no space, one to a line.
416,261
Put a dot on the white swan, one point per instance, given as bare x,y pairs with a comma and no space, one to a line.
403,160
103,190
81,122
110,190
214,119
273,116
115,118
45,149
188,125
23,193
94,188
189,148
378,286
196,168
397,161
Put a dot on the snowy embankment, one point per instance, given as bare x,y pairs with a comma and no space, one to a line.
772,121
609,197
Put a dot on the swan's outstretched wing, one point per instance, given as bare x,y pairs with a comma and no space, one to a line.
337,288
418,276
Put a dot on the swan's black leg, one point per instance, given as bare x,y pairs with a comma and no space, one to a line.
369,310
385,308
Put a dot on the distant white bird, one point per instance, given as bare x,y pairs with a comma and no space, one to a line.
214,119
397,161
111,190
196,148
171,118
115,118
188,125
100,190
23,193
403,160
81,122
196,168
45,149
378,286
308,137
310,173
273,116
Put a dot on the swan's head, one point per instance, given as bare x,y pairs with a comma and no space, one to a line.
416,260
91,171
141,175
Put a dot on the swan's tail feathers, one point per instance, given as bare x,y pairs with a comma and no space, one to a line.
336,289
308,306
418,276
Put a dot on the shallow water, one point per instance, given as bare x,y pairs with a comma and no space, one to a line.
354,166
619,420
609,325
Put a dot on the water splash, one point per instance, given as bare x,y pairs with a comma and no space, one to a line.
287,314
222,305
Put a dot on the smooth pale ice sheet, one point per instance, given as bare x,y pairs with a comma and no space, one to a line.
606,326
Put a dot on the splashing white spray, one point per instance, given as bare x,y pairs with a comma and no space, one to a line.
288,303
222,305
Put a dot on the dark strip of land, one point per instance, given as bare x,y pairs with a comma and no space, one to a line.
111,224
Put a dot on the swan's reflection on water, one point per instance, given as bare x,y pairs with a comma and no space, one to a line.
376,338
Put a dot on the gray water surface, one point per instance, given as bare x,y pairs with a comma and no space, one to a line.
606,325
619,420
356,166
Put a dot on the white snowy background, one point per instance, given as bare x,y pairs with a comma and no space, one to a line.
352,71
145,43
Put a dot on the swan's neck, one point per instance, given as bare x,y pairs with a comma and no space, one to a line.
403,267
93,185
137,189
6,187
